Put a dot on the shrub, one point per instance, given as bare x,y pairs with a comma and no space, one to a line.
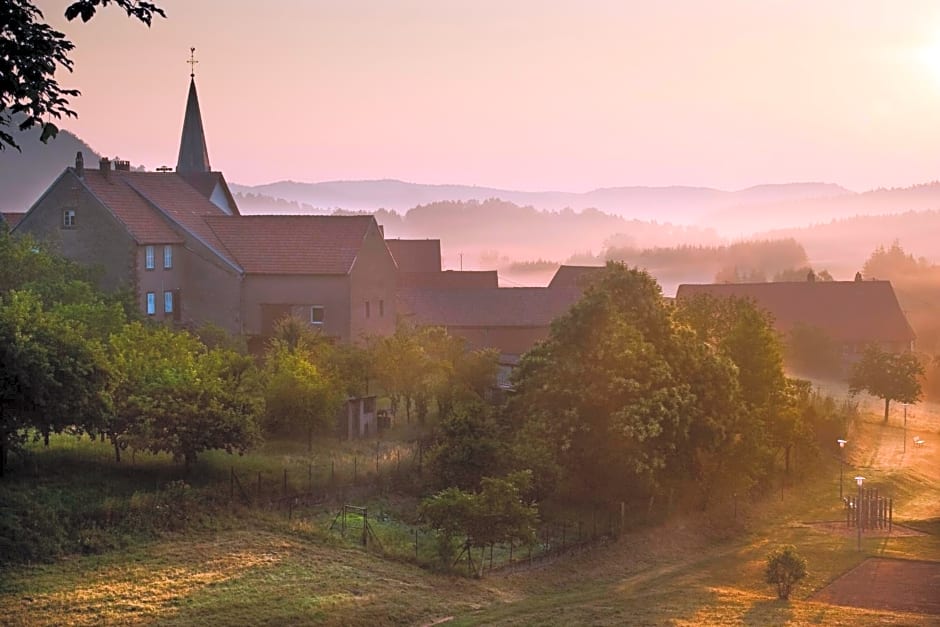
785,567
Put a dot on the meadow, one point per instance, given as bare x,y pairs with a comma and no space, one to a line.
218,561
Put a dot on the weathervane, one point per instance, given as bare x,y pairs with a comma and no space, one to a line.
192,63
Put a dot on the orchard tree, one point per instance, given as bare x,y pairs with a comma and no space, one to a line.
172,394
30,54
299,394
891,376
51,376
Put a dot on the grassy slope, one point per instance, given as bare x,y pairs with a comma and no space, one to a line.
265,570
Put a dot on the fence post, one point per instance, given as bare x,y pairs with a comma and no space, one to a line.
231,483
355,469
259,485
510,551
416,543
365,527
309,478
285,482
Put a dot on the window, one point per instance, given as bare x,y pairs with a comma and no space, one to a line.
68,218
368,310
317,314
381,309
148,253
167,257
167,302
151,303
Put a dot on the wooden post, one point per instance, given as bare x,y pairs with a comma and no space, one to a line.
510,551
416,543
285,482
365,527
376,460
491,555
259,485
231,483
355,469
310,478
290,509
343,528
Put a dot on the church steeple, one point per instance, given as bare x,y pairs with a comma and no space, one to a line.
193,157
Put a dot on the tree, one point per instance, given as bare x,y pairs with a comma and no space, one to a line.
615,389
891,376
812,352
299,394
785,567
172,394
471,445
51,376
495,514
30,54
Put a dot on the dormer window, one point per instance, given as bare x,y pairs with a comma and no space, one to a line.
148,257
68,219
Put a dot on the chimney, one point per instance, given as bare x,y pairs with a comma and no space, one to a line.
105,166
79,164
122,166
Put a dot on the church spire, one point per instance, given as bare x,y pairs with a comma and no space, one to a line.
193,157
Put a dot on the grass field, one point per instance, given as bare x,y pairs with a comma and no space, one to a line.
256,568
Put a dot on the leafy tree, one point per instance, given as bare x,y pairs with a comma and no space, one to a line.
30,54
891,376
616,388
495,514
299,394
471,445
51,376
785,567
173,394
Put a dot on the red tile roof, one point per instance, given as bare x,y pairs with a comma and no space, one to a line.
181,203
416,255
449,279
848,311
143,222
279,244
500,307
575,276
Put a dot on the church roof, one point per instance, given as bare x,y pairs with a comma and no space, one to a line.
193,156
848,311
280,244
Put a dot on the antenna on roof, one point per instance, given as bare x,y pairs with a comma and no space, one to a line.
192,63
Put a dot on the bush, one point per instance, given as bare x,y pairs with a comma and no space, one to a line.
785,567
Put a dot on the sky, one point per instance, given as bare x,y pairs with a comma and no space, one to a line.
566,95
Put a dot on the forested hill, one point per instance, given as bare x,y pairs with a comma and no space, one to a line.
686,205
846,243
25,175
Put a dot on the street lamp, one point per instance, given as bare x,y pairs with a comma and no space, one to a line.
842,444
905,428
858,510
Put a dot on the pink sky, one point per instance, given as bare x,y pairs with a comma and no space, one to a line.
525,94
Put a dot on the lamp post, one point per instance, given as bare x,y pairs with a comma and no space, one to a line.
905,428
858,511
842,444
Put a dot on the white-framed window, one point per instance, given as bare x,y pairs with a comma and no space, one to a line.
148,257
317,314
381,309
68,218
368,310
167,257
151,303
167,302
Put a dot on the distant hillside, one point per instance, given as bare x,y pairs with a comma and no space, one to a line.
843,245
789,214
24,176
685,205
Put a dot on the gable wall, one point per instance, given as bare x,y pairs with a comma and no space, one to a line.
98,238
373,279
296,294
